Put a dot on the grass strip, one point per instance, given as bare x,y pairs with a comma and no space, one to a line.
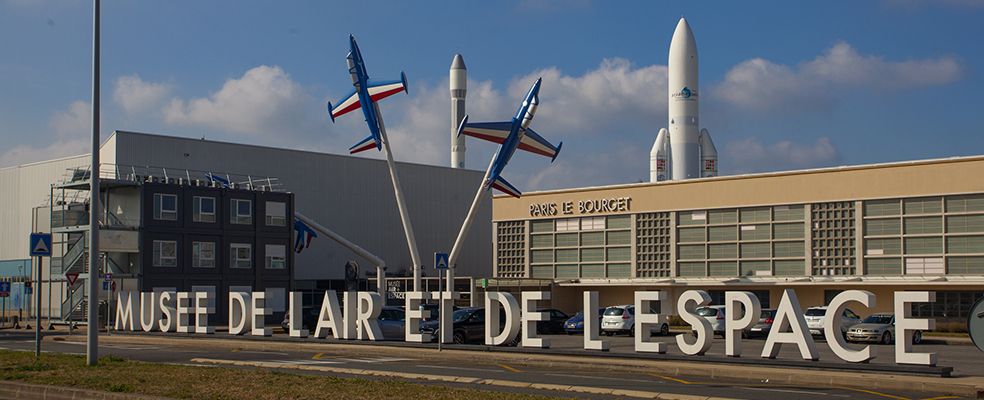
115,374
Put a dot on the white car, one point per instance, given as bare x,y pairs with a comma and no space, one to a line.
814,320
714,315
621,319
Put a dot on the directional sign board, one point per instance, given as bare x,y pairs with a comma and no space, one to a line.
4,289
40,245
109,277
441,260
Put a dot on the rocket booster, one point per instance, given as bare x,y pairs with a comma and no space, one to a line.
686,148
459,88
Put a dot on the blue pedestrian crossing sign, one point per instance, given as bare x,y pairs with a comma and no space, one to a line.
40,245
441,260
4,289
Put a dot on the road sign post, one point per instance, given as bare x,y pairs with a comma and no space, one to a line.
4,293
40,247
441,264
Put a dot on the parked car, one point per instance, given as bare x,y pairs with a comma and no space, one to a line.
621,319
468,325
714,315
432,311
309,318
764,324
575,324
391,323
878,328
553,325
814,320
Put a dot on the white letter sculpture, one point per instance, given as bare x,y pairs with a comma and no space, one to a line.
258,314
591,322
124,312
493,301
832,325
295,319
789,317
167,321
182,311
643,303
905,326
531,316
414,315
203,308
367,324
150,313
734,304
687,305
330,317
239,312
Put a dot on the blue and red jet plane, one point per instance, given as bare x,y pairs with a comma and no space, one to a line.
512,135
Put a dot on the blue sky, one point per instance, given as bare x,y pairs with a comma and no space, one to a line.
785,85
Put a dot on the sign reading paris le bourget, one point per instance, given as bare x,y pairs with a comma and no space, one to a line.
579,207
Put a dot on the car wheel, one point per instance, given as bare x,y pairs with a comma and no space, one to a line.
609,333
886,338
916,337
459,338
664,330
632,331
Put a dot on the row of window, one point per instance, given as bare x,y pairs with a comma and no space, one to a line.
204,210
203,255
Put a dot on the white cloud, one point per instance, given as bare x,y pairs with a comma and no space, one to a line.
751,155
74,121
23,154
841,71
136,95
263,101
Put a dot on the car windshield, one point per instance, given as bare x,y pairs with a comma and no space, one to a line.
461,315
878,319
614,311
766,314
816,312
707,312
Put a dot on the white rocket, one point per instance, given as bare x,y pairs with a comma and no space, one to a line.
459,88
684,151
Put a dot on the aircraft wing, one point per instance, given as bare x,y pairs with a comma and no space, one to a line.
534,143
505,187
366,144
351,103
495,132
382,90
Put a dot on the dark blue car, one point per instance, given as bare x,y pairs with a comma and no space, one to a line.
575,325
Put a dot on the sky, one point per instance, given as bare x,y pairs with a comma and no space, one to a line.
784,85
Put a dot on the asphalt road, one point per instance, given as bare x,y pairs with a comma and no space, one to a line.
363,358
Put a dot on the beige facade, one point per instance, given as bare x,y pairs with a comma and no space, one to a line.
901,226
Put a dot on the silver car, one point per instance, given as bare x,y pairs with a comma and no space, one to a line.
878,328
618,319
815,315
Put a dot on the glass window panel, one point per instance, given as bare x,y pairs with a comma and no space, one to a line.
619,237
592,223
758,214
276,213
729,250
691,252
203,254
619,270
883,266
692,269
542,271
890,226
965,223
165,253
537,241
593,271
755,232
722,233
593,239
789,231
276,256
923,205
242,212
542,225
619,222
965,244
788,249
690,235
722,216
240,255
618,254
566,239
592,255
692,218
790,268
973,202
568,271
924,245
788,213
965,265
752,268
916,225
541,256
883,246
722,268
569,255
568,224
755,250
881,207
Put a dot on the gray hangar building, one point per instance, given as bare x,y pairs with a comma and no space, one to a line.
181,214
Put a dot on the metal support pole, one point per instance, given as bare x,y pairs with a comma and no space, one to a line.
440,307
37,310
92,331
465,226
400,202
51,210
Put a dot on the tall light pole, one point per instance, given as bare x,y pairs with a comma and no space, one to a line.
92,334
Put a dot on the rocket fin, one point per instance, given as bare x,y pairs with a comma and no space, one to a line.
658,162
708,155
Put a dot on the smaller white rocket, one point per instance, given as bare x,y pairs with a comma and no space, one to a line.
684,151
459,89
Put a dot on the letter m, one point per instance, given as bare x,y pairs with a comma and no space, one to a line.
124,312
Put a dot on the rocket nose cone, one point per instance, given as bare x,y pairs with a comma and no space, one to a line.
458,62
683,31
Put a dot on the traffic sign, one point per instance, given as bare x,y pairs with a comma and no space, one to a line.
72,277
441,260
40,245
484,283
109,277
4,289
28,290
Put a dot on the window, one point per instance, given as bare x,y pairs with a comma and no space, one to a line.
241,212
569,224
203,209
165,207
592,223
241,255
203,254
165,253
276,256
276,213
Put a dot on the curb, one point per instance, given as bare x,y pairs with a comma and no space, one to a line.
30,391
460,379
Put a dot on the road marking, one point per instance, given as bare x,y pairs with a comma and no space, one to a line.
797,391
318,356
604,378
942,398
460,368
886,395
670,378
508,368
259,352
